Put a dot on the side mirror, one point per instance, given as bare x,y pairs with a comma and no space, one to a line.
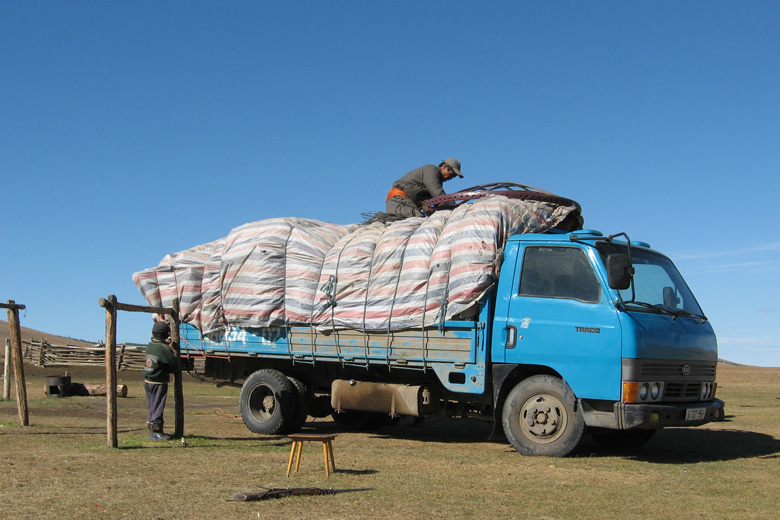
619,271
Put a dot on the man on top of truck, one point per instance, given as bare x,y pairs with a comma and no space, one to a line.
408,193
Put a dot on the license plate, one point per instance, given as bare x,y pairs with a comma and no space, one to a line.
695,414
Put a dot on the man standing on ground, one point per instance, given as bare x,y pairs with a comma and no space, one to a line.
160,362
409,192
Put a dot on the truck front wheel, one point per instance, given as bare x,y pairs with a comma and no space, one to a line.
540,417
268,402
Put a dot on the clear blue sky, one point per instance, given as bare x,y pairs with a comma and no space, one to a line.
131,130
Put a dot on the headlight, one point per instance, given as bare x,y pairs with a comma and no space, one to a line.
655,391
644,392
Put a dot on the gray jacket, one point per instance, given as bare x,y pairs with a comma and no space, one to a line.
421,184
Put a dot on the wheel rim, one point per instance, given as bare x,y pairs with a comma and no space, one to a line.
543,418
262,403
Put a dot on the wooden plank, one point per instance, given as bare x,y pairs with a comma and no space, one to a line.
103,302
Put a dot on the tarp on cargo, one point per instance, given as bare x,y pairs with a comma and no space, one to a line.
377,277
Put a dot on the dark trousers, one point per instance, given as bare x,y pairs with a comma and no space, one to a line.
155,404
402,207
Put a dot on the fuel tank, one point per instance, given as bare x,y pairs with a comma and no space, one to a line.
394,399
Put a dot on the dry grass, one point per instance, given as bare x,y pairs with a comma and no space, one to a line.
60,466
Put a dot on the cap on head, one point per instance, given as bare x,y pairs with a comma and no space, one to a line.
161,329
454,164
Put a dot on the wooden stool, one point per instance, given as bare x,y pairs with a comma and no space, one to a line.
297,445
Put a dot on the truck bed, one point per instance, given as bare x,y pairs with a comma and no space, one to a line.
456,353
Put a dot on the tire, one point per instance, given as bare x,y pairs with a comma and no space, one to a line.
541,417
301,405
267,402
622,439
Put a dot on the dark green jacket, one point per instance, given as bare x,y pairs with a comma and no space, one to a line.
421,184
160,361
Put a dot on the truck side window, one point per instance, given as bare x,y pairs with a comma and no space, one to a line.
558,272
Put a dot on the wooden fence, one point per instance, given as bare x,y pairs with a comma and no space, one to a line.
41,353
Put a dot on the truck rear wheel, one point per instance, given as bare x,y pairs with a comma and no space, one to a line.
268,402
540,417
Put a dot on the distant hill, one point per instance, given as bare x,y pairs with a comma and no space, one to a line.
31,334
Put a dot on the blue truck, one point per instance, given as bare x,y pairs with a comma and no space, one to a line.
582,334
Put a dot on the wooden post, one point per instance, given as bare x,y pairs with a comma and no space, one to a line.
16,359
7,370
111,418
112,306
178,389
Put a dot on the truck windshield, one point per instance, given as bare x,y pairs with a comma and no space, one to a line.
658,286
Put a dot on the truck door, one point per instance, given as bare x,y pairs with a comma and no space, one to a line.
559,317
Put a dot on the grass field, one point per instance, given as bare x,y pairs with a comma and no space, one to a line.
59,466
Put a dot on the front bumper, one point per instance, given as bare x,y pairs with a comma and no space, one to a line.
651,416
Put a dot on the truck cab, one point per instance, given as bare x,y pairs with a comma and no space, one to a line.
609,321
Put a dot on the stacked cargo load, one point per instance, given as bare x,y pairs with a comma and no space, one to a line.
411,273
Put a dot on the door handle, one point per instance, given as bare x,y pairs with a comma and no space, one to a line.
511,336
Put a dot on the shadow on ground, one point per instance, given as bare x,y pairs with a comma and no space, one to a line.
668,446
689,446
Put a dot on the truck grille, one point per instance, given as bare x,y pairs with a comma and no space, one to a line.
673,369
678,390
682,379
